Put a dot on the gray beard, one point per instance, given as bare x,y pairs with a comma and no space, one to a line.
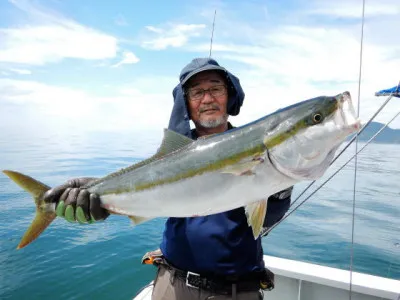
214,123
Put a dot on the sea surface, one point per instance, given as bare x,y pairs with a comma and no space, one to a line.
102,261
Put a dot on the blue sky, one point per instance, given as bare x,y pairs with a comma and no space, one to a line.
102,66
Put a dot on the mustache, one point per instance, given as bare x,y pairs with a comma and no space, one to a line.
208,107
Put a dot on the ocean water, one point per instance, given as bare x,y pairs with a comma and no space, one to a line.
102,261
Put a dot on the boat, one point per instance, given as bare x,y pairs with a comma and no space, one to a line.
296,280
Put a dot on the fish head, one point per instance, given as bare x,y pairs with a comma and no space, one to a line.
304,143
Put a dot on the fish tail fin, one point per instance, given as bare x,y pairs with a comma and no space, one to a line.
45,213
38,225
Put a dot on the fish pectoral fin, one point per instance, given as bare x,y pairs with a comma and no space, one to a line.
242,168
256,213
137,220
172,141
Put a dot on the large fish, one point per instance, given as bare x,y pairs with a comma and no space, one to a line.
237,168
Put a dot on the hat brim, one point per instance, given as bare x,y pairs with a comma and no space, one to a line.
197,71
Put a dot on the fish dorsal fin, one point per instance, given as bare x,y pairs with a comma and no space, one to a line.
171,142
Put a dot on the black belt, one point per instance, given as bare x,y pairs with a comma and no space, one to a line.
218,285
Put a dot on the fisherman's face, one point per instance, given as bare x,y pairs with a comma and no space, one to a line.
208,109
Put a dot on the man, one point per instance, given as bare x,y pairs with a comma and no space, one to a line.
211,257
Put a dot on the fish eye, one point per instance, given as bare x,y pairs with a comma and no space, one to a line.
317,118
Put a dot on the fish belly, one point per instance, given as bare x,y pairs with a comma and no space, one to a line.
204,194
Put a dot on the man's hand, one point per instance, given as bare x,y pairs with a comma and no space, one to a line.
75,203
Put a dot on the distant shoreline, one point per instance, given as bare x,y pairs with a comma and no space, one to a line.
387,136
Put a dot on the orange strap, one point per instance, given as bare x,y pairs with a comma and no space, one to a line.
152,257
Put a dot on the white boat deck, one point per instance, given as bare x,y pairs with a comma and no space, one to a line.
305,281
295,280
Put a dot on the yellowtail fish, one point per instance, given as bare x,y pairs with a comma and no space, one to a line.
238,168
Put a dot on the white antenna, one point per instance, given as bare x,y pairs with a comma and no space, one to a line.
212,33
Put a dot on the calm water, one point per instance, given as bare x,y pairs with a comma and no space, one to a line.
103,260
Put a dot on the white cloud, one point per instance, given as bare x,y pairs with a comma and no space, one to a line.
154,29
30,108
49,37
21,71
353,9
281,63
127,58
128,108
171,35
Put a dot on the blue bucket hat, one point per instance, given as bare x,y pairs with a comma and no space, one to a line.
180,119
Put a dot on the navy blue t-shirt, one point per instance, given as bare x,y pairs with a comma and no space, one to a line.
220,244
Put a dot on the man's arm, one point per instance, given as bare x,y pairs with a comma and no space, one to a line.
278,205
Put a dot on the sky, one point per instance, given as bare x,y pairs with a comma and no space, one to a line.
103,67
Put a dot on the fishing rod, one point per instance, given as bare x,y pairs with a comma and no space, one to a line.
212,32
356,156
268,230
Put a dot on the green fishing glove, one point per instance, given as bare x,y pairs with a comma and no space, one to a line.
75,203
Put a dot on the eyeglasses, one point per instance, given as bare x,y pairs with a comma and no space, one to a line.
215,91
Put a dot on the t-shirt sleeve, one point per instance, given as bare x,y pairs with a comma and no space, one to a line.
278,205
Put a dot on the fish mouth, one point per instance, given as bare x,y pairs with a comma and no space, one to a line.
347,113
